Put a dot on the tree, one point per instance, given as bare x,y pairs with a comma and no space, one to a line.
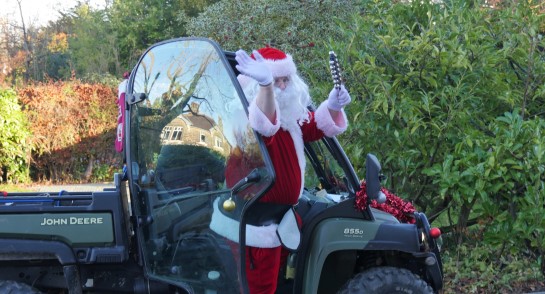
27,45
13,55
301,28
51,58
92,44
140,23
5,37
26,55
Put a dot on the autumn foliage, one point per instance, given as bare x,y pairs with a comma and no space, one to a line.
73,128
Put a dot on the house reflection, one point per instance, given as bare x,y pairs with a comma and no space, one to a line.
195,128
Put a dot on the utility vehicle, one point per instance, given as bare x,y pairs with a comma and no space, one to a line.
185,117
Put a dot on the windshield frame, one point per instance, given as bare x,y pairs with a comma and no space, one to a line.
132,172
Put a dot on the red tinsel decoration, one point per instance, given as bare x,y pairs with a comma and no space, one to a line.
399,208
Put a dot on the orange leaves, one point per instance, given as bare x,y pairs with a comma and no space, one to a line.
68,111
58,43
70,120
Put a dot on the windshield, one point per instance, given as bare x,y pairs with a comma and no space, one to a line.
325,178
187,131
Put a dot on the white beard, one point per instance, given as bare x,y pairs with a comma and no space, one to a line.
292,103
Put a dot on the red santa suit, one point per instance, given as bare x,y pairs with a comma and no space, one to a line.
284,138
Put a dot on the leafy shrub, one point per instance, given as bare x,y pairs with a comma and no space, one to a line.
104,172
15,145
74,128
450,96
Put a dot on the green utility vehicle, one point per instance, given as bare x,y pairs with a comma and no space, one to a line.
185,119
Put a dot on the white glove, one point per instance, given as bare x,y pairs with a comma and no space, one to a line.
255,69
338,98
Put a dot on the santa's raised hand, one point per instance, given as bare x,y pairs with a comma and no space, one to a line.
338,98
256,69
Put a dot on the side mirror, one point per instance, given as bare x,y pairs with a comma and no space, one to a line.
372,179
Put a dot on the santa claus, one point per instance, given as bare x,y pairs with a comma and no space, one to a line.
278,111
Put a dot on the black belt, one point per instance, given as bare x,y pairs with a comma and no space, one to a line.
264,213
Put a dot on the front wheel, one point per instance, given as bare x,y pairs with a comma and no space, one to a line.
386,280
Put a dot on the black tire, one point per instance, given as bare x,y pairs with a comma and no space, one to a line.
386,280
12,287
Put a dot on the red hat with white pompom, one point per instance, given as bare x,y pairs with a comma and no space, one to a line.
280,63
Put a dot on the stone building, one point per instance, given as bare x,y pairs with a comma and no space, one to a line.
197,129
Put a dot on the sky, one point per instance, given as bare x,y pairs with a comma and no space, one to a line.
40,12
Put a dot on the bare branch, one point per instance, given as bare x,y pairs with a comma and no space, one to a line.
26,43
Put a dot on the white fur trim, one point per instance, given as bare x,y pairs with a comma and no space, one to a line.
299,145
283,67
260,122
325,122
121,88
261,237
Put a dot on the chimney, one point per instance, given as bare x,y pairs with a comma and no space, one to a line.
195,107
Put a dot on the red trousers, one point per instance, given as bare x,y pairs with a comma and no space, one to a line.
262,267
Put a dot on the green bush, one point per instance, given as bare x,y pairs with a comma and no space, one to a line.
299,28
450,97
104,173
14,145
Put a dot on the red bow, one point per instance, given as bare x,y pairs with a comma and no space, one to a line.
399,208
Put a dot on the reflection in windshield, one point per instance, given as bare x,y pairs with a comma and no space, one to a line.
184,138
324,173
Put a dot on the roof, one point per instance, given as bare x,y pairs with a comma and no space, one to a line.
200,121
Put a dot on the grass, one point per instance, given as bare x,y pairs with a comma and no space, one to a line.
16,188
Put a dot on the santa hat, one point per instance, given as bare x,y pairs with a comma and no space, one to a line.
280,63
